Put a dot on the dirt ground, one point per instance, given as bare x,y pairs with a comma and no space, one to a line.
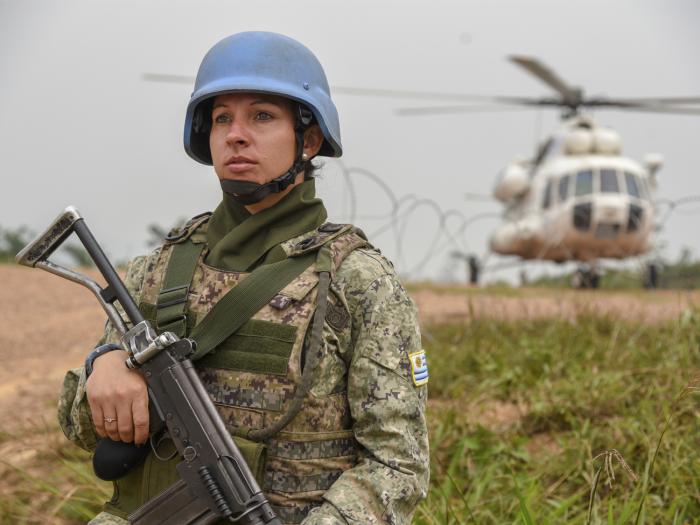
450,304
50,324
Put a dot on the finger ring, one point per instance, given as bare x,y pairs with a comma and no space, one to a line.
110,419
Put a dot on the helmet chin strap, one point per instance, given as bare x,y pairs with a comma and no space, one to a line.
246,192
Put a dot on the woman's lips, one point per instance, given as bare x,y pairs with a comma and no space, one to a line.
239,164
240,167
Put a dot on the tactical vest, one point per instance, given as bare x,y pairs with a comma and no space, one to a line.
253,375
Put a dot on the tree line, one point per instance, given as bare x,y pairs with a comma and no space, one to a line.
13,240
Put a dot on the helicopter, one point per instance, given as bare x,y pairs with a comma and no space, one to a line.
578,198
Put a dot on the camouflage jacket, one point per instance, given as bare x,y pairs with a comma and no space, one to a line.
370,357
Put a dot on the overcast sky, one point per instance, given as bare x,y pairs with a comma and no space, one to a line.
78,125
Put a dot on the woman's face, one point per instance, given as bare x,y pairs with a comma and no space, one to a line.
252,137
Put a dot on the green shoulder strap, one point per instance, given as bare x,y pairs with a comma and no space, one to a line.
242,302
171,303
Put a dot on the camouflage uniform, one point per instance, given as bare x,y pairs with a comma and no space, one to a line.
357,452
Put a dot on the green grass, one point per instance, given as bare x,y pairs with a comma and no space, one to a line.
681,275
581,390
518,411
56,485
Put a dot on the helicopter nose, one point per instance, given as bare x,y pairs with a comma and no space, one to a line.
610,216
611,211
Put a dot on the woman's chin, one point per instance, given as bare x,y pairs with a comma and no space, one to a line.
241,177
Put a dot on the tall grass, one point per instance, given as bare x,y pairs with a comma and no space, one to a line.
54,485
518,414
519,411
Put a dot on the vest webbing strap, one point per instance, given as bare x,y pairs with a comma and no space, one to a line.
313,357
171,303
242,302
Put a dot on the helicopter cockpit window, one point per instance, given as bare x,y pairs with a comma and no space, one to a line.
584,183
632,185
608,181
564,188
547,197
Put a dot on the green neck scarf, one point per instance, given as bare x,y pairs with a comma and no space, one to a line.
239,241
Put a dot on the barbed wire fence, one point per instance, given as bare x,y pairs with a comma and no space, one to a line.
450,234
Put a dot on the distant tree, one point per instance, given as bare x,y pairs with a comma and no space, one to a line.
78,254
685,257
157,232
12,241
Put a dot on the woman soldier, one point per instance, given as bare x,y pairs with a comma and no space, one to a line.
354,447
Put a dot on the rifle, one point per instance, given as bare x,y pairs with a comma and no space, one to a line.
215,480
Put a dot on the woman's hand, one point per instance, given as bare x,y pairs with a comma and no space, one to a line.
118,399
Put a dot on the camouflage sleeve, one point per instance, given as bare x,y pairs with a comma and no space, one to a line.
387,406
73,410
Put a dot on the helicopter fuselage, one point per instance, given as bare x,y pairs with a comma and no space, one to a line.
580,208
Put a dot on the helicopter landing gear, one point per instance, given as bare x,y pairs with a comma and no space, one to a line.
586,277
651,276
473,266
473,269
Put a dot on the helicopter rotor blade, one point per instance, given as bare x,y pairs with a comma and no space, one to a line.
369,92
478,197
429,95
403,93
570,94
346,90
632,103
646,108
171,79
441,110
464,108
651,100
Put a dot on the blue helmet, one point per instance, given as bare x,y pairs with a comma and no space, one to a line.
261,62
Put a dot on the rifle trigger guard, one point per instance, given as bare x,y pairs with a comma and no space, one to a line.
154,447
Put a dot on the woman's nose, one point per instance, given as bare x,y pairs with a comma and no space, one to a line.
237,134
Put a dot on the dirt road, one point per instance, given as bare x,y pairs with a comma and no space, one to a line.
454,304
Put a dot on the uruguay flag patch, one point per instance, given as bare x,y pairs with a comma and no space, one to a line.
419,368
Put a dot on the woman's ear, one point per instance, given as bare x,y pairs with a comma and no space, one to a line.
313,138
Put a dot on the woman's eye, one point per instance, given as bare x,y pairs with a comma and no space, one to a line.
263,115
221,119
